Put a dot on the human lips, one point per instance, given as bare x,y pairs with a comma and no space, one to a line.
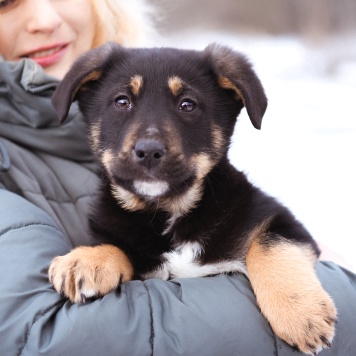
46,56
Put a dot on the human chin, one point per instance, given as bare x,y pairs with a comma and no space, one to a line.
59,69
56,71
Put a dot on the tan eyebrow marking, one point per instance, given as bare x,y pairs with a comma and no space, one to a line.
136,84
175,85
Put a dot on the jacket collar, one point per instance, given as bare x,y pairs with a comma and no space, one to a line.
27,117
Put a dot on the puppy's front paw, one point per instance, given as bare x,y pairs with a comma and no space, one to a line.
290,294
88,272
306,321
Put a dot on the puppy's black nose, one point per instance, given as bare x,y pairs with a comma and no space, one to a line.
149,152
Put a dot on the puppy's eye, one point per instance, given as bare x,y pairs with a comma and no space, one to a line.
187,105
123,102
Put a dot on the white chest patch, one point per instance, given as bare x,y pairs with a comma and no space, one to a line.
183,263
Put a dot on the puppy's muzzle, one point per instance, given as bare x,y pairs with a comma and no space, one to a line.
148,153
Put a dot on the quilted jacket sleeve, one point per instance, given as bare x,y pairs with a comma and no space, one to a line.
201,316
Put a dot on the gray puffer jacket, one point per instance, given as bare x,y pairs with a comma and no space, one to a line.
47,181
51,164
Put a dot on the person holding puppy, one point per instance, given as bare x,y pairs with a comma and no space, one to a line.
47,181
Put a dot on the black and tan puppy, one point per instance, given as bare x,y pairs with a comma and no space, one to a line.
160,123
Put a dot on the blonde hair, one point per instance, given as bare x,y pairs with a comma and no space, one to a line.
128,22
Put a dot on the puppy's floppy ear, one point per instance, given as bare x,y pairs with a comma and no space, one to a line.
87,68
235,72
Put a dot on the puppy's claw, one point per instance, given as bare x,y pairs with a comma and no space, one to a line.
325,341
82,298
61,292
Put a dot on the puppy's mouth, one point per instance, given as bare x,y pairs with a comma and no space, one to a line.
171,176
150,189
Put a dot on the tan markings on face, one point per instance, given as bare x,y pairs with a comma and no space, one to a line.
107,158
181,205
225,83
87,272
94,75
203,165
127,200
175,84
94,134
174,139
129,141
218,139
136,84
288,291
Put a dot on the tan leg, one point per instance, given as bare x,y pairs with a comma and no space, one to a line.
289,293
89,272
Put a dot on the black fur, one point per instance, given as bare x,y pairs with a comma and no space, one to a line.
229,206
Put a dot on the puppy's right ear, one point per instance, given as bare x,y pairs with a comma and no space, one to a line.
87,68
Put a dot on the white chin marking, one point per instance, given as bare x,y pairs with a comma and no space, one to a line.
150,189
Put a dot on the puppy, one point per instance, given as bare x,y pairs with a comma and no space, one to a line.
160,123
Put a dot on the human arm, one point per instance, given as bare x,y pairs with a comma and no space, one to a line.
206,316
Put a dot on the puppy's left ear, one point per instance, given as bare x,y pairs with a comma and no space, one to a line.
235,72
87,68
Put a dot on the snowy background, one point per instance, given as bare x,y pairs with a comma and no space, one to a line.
305,153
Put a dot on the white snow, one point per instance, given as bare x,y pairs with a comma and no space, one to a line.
305,154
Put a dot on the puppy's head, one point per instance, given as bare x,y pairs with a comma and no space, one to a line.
159,120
